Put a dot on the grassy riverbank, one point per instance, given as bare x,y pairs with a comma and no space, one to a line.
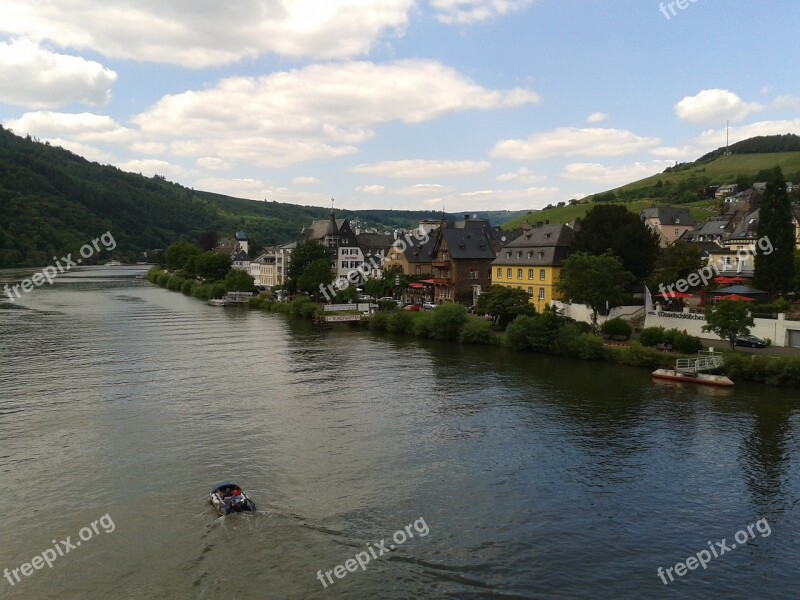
547,334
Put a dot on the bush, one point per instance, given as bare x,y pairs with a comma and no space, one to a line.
517,333
400,321
617,327
446,321
387,305
637,355
188,286
477,331
162,279
422,324
683,342
589,347
651,336
379,321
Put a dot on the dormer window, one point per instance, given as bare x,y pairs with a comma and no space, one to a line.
540,255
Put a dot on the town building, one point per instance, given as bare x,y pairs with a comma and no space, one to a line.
670,223
533,262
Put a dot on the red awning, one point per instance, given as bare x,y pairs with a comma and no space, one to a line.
416,286
430,281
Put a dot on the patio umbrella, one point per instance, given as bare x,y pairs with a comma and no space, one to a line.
674,295
738,279
723,280
735,298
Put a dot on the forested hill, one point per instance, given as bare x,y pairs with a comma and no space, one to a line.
53,201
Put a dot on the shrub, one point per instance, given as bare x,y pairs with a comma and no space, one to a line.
422,324
400,321
379,321
617,327
651,336
517,333
387,305
162,279
589,347
477,331
447,320
683,342
637,355
188,286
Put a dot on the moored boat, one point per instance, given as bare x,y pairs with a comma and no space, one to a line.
701,378
218,302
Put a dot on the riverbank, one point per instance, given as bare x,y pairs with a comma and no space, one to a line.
548,334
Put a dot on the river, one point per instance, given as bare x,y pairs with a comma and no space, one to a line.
520,476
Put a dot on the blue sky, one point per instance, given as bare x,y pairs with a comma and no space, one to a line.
407,104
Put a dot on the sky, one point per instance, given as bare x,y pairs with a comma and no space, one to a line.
399,104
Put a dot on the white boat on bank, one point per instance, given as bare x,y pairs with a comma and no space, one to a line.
218,302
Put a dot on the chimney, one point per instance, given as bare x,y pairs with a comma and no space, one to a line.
466,217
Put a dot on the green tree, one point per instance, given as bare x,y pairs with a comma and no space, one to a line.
208,240
675,262
729,320
504,304
212,265
594,281
317,273
176,255
446,321
613,227
797,271
239,281
774,272
303,256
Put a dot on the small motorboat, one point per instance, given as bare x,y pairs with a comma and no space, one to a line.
218,302
229,498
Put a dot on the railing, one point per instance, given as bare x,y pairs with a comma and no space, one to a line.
702,363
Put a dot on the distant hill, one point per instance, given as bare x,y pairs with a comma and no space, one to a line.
53,201
691,185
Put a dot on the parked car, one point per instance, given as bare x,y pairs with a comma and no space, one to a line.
412,307
386,299
750,341
428,305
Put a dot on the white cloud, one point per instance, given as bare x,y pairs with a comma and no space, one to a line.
714,106
276,121
306,181
522,175
81,127
150,167
36,78
464,12
786,103
597,117
679,153
371,189
203,33
85,150
715,138
423,189
417,169
571,141
148,148
212,163
609,177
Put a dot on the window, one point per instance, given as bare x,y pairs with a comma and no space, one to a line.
519,273
508,254
540,255
530,292
499,272
418,270
508,273
344,264
677,232
473,274
530,276
530,254
542,275
541,293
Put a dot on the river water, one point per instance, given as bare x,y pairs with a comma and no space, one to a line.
521,476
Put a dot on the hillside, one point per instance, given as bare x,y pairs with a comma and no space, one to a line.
53,201
689,184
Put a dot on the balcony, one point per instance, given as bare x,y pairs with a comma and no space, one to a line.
441,281
441,264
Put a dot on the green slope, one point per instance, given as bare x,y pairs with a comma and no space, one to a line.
53,202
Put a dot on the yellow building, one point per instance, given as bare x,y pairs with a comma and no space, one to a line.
533,261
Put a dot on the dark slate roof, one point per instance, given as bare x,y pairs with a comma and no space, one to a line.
544,235
319,229
374,241
707,248
265,259
713,227
747,228
420,253
240,256
468,243
241,236
668,215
